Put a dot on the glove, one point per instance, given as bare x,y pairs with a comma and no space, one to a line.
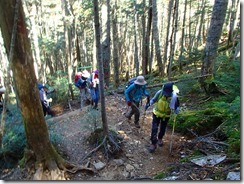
129,103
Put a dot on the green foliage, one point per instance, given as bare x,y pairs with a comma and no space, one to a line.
61,85
199,121
160,175
14,142
232,126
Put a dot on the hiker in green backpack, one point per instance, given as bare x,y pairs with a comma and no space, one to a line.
166,102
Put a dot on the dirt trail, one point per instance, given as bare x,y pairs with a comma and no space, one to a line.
72,129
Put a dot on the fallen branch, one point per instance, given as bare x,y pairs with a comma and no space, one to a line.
121,91
177,81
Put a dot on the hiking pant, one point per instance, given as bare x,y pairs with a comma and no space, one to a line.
95,95
135,111
84,96
155,123
46,109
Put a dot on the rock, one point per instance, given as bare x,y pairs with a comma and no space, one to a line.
129,168
119,162
171,178
99,165
233,176
129,155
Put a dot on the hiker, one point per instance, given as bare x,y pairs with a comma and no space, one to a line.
2,91
166,102
43,91
133,96
81,82
94,88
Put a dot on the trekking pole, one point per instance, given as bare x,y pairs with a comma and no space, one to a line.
172,135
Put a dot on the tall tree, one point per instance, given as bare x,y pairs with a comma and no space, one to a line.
182,48
136,60
100,59
69,27
171,2
156,36
233,12
173,38
214,33
146,43
115,45
39,146
106,47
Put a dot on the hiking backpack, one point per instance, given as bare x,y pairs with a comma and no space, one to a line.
129,82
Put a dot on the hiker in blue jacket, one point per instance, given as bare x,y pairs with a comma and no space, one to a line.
133,96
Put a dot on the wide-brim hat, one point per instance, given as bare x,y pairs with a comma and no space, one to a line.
168,89
140,80
85,74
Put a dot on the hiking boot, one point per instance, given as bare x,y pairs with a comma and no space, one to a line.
137,125
160,143
152,148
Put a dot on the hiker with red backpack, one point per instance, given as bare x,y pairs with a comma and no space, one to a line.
81,82
133,96
166,102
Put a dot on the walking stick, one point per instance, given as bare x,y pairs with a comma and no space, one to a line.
172,135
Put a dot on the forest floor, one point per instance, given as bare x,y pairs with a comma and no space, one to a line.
72,128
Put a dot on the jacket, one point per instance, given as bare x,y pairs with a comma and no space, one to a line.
160,101
135,92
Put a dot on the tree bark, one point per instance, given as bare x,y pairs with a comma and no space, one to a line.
36,131
136,60
214,33
171,2
106,47
156,36
100,59
115,46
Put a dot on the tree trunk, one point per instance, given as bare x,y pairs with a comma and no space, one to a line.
156,36
136,61
101,74
115,47
146,43
106,48
171,2
182,46
232,21
143,20
173,39
214,33
38,141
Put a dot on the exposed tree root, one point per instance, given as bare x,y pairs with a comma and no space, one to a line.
52,168
110,145
55,170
